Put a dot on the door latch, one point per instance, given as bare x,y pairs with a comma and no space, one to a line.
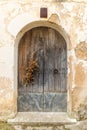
55,71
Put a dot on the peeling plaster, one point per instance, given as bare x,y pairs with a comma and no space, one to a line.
71,19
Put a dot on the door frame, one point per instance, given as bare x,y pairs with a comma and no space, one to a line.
65,36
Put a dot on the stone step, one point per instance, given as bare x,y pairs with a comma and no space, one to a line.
41,118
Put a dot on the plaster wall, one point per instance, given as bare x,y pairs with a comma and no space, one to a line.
69,18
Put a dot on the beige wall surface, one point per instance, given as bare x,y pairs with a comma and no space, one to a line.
66,16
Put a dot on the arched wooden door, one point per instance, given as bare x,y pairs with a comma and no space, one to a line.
48,89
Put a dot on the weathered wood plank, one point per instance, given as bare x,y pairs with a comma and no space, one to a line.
51,60
56,66
34,50
46,60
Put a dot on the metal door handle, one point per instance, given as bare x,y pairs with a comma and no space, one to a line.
55,71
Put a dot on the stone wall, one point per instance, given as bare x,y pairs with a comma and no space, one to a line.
82,125
17,17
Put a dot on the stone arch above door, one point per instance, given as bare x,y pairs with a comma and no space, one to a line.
24,22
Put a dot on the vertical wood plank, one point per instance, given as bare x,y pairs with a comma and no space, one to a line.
34,43
46,59
56,65
51,60
63,69
28,54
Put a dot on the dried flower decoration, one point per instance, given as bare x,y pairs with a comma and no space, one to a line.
28,70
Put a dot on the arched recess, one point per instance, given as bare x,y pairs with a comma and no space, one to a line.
18,38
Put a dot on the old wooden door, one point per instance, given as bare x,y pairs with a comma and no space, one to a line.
48,90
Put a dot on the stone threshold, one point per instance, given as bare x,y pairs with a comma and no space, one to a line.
41,118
